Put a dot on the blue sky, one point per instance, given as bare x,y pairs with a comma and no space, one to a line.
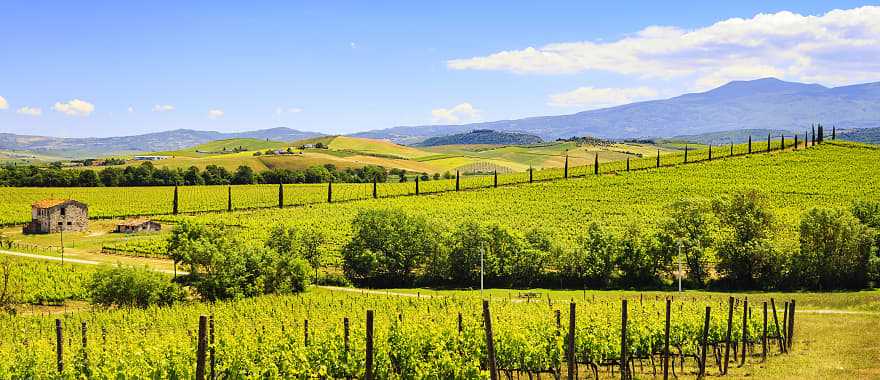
105,68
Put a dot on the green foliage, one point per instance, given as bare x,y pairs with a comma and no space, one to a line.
689,228
591,262
640,259
835,251
133,287
306,243
387,246
746,256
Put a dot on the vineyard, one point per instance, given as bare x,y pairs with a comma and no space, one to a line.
107,202
330,334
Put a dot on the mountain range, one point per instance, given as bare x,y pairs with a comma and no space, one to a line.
151,142
766,103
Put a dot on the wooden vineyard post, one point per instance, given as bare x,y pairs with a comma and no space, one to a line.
375,188
666,340
280,195
776,323
306,332
212,358
784,331
685,153
750,144
368,370
457,181
174,203
727,336
345,340
791,326
658,158
59,346
764,335
330,191
745,331
566,167
460,324
85,345
624,364
530,175
596,164
570,355
228,198
490,343
558,322
704,344
200,350
417,185
627,164
768,142
495,182
710,152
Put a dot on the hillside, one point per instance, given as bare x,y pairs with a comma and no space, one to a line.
152,142
483,136
764,103
865,135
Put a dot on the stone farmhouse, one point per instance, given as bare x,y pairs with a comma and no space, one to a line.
56,215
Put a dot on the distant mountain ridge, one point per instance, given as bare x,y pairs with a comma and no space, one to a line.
483,136
151,142
767,103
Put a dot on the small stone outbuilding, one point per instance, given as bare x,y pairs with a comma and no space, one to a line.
138,225
56,215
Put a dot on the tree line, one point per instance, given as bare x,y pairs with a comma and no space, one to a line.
147,174
729,243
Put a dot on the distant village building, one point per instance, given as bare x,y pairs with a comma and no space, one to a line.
138,225
56,215
150,158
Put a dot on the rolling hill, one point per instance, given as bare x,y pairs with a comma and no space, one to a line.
483,136
763,103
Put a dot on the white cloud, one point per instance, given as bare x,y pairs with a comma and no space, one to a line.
3,104
841,46
74,107
215,114
30,111
130,109
463,112
163,108
591,97
281,110
353,45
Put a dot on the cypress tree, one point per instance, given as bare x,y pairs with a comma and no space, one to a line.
731,148
596,164
813,139
658,158
685,153
710,152
496,178
566,166
833,132
417,184
280,195
174,202
627,164
457,181
821,131
750,144
768,142
783,142
795,141
228,198
375,188
330,191
530,174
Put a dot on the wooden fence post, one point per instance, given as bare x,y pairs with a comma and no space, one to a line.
727,336
280,195
85,345
417,184
200,350
306,332
59,346
375,188
624,360
776,323
174,204
745,330
785,326
764,336
704,344
495,182
490,343
627,164
570,354
212,352
368,371
666,340
530,174
460,324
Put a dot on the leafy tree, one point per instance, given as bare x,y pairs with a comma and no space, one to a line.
133,287
317,174
244,175
591,261
387,246
306,243
192,177
689,227
835,251
745,254
639,259
88,178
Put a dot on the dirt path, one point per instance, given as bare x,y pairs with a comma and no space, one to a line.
73,261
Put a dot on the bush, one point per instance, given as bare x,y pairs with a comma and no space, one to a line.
334,279
835,251
133,287
387,246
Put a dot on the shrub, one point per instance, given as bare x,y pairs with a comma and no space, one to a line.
133,287
835,251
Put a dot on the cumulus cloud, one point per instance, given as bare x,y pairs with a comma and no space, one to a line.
30,111
591,97
74,107
215,114
460,113
282,110
3,104
163,108
841,46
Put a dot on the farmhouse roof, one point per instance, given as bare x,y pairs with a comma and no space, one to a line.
49,203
